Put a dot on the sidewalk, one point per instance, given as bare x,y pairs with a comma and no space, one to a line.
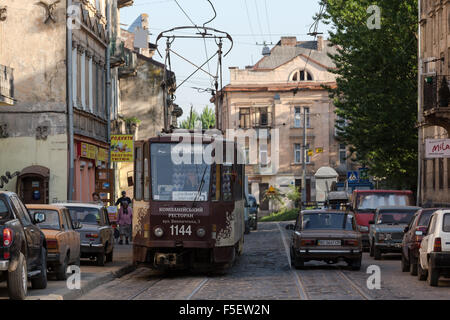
91,277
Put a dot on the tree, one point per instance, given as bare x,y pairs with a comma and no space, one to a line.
376,93
207,118
294,194
275,197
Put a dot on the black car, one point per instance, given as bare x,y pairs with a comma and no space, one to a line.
23,249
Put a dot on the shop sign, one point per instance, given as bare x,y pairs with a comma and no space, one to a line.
437,148
102,155
122,148
88,151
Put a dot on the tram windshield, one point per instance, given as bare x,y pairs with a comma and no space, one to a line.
178,176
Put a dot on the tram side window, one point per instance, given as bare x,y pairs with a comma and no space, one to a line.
238,182
227,174
138,183
146,174
215,183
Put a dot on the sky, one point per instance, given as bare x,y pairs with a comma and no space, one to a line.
247,21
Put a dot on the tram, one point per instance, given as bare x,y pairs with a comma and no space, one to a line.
189,213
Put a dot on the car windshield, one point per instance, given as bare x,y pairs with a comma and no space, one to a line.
51,219
85,215
373,201
395,217
446,224
173,181
324,221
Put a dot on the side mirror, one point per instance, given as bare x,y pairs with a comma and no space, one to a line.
290,227
371,222
39,217
406,229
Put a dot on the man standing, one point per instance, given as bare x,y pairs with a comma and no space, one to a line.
123,199
125,220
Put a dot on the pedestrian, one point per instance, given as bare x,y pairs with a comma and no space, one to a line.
125,221
96,197
123,199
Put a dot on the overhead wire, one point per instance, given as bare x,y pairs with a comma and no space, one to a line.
249,21
268,21
258,19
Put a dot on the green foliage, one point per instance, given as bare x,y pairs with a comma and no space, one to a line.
282,215
132,120
275,197
376,92
294,193
207,117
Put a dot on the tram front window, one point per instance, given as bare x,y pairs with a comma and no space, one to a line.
178,182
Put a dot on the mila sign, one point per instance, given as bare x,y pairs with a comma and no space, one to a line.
437,148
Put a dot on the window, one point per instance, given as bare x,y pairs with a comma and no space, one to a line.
441,173
432,224
308,159
263,117
425,174
238,181
138,174
87,82
244,117
21,211
448,173
66,214
263,157
147,174
434,174
297,153
226,182
74,76
446,223
51,219
342,153
4,212
94,88
301,75
297,117
78,79
215,183
308,124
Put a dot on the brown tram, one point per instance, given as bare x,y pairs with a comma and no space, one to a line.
188,213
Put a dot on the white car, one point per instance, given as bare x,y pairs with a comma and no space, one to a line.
434,252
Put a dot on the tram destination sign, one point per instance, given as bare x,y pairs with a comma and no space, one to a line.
437,148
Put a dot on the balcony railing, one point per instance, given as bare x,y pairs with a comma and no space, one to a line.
6,86
436,92
129,68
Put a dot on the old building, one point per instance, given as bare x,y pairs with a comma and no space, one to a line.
45,79
141,94
434,110
275,93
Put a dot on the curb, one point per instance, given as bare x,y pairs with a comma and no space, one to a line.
67,294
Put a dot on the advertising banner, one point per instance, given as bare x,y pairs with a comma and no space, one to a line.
122,148
437,148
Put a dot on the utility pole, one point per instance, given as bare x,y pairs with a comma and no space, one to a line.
304,161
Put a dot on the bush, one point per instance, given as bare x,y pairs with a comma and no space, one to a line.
282,215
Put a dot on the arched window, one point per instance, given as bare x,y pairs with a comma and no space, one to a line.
301,75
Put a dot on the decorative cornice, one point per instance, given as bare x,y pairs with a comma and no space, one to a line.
81,48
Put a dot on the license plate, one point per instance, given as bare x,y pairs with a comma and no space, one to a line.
329,242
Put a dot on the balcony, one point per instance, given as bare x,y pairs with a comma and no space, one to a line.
6,86
436,97
129,67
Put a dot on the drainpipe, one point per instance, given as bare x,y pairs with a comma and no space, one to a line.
419,109
108,77
70,104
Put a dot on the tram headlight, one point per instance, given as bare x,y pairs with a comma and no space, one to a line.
158,232
201,232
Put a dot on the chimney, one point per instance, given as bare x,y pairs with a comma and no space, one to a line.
289,41
320,43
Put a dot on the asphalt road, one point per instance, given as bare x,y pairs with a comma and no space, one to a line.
263,272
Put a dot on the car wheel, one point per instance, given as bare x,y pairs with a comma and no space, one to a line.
292,256
101,259
405,264
433,277
421,274
356,264
377,253
61,272
371,250
40,282
109,256
77,261
412,266
17,280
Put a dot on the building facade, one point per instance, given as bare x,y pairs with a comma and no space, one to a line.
275,94
434,110
35,121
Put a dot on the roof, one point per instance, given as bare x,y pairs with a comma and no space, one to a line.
384,191
45,206
398,208
326,210
280,55
82,205
326,172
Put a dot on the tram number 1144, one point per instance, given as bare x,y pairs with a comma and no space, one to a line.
176,230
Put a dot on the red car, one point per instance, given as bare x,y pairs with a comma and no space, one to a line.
365,202
412,239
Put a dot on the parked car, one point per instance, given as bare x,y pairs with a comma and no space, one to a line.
387,229
434,252
412,239
326,235
365,202
63,242
96,232
23,248
253,212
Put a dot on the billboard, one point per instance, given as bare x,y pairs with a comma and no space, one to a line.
122,148
437,148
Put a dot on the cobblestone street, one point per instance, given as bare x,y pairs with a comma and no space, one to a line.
263,273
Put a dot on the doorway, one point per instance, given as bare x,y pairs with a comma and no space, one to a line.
32,185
